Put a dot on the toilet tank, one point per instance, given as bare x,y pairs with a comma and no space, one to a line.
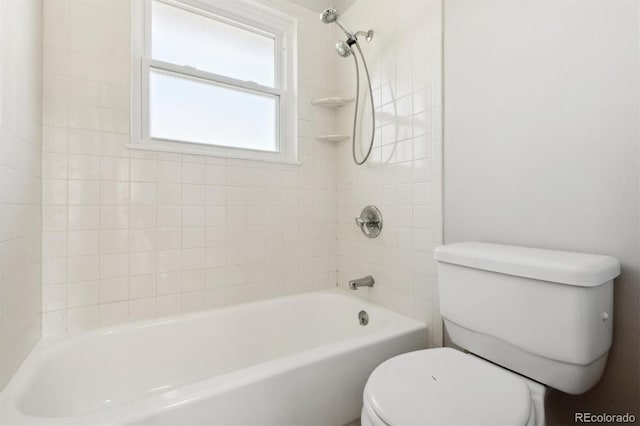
545,314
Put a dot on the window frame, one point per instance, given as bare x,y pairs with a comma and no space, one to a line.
243,14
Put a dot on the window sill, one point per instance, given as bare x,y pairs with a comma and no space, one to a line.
247,155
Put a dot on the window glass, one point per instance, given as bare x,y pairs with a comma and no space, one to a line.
197,111
187,38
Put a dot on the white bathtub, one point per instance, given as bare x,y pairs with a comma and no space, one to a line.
300,359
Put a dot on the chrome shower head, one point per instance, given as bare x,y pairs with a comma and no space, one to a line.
329,16
343,49
367,34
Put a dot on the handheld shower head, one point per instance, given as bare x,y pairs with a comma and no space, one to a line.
343,49
329,16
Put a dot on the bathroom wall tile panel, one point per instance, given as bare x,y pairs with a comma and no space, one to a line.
21,168
132,234
403,175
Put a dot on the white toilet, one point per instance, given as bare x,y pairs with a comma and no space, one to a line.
530,318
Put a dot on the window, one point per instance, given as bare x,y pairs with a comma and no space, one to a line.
213,77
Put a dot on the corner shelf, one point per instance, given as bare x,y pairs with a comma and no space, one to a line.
333,138
333,102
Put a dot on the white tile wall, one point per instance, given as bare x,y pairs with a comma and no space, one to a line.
20,182
131,234
403,176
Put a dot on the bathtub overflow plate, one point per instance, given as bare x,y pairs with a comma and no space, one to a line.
363,318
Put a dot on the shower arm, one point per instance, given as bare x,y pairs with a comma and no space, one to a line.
353,37
367,34
344,29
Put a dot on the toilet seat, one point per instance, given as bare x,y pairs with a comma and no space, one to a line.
444,387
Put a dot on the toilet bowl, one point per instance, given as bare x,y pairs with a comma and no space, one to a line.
513,309
447,387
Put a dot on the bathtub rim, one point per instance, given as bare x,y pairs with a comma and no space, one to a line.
129,411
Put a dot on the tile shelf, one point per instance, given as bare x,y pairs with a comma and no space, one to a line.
333,138
332,102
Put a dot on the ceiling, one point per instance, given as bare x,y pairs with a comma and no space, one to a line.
320,5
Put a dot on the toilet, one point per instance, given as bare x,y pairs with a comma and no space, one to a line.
527,319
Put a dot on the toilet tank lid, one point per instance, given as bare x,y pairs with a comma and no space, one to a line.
578,269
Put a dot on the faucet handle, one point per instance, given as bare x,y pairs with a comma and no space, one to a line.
370,221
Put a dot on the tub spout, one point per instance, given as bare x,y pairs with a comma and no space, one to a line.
367,281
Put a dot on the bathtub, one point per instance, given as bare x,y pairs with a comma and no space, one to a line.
301,359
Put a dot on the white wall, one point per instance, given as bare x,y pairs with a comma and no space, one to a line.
130,234
403,175
541,147
20,183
